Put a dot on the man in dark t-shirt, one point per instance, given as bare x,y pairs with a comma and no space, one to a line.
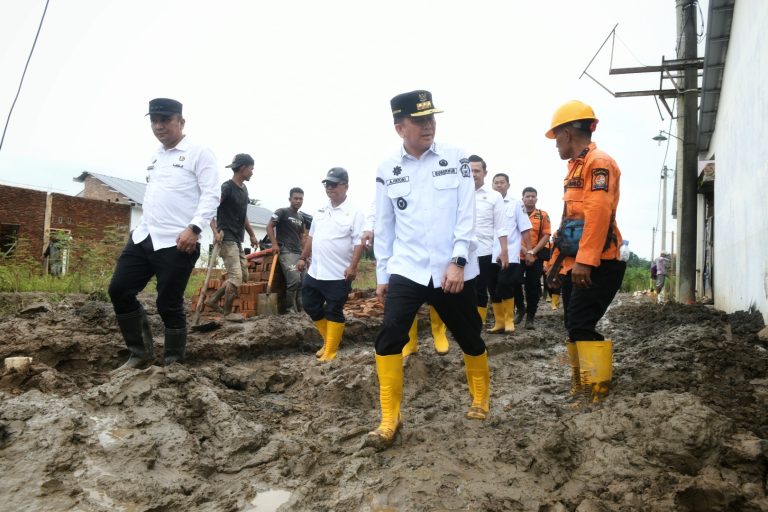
288,241
229,227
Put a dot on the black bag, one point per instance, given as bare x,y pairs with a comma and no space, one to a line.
569,236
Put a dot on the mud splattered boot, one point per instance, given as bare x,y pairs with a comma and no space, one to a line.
138,338
390,372
322,328
438,332
479,382
573,360
413,339
175,345
290,302
229,300
213,301
498,318
333,333
596,367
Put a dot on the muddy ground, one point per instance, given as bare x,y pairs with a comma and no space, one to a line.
253,422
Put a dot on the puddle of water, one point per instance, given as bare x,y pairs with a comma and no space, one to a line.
269,501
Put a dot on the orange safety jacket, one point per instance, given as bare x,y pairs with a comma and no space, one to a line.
591,193
540,224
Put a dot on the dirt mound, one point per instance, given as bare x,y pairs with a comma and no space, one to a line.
253,422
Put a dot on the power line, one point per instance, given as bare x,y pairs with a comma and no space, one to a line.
18,91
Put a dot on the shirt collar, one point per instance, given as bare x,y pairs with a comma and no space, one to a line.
581,156
404,154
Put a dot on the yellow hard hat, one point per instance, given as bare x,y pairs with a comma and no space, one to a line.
573,110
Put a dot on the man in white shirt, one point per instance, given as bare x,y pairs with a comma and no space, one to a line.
181,198
424,236
489,227
334,248
501,185
517,226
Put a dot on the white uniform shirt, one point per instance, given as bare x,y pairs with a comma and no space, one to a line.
183,188
335,232
370,217
516,221
489,219
425,211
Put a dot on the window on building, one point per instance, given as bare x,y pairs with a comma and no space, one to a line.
9,235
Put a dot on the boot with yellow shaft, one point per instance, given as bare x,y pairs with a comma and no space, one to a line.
322,328
413,339
438,332
390,372
509,315
498,318
573,360
555,301
596,367
479,382
334,331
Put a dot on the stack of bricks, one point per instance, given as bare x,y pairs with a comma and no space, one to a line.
247,301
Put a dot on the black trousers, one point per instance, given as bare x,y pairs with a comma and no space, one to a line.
457,310
135,267
487,281
325,299
584,307
532,283
508,281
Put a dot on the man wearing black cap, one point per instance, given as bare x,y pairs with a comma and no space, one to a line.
423,238
335,249
181,198
229,227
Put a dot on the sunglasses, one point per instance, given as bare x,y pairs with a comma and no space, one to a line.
331,184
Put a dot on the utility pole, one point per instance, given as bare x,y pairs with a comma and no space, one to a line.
664,174
687,182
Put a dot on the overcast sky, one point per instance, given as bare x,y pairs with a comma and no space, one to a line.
305,86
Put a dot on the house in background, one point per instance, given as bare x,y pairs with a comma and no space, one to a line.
51,228
127,192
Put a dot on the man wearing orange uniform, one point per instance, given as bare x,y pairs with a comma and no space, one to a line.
591,271
539,233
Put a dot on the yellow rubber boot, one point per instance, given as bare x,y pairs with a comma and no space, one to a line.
483,311
479,382
390,372
573,359
438,332
555,301
498,318
334,332
509,315
322,328
413,339
596,367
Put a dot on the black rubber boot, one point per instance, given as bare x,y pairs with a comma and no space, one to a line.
529,323
138,338
213,301
519,316
175,345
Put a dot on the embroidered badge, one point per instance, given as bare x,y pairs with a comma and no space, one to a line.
465,172
443,162
401,179
379,180
443,172
464,161
402,204
600,179
397,170
182,158
574,183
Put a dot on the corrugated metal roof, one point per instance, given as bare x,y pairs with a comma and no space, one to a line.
718,35
134,191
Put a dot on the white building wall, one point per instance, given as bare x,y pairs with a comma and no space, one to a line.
740,149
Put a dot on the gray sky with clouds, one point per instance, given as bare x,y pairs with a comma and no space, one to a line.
304,86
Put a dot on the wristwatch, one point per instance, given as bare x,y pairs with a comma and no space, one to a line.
530,251
196,230
459,261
